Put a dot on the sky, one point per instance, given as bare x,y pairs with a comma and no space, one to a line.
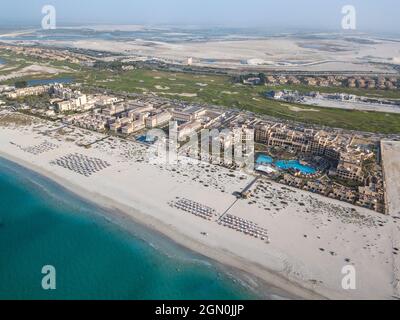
372,15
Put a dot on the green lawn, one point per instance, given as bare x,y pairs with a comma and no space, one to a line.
19,61
219,90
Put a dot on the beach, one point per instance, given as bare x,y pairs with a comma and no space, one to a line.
124,259
311,238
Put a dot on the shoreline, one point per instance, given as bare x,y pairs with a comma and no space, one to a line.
311,237
248,272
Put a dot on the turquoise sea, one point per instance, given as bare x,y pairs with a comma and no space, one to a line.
95,258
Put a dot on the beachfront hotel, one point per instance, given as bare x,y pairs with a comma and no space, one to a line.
24,92
354,175
338,156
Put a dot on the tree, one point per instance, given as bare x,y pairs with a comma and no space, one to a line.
21,84
262,78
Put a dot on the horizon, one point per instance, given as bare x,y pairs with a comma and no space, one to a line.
287,15
220,150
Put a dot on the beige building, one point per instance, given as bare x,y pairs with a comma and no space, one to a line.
371,197
64,106
133,127
158,119
188,128
30,91
343,193
349,171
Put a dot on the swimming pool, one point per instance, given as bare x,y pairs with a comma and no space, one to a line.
296,165
285,164
146,139
264,159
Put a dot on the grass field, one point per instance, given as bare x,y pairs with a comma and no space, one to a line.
219,90
16,62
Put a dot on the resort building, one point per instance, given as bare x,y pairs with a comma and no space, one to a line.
371,197
114,109
348,171
293,181
64,106
29,91
158,119
343,193
339,152
188,128
188,113
77,101
133,127
316,186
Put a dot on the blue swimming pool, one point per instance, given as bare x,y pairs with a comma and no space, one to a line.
146,139
264,159
285,164
296,165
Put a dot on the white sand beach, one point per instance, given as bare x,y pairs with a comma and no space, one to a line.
311,238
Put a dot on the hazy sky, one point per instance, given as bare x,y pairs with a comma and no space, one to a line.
372,15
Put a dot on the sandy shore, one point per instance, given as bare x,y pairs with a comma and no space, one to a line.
124,217
311,238
264,281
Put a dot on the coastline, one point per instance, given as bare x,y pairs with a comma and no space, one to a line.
259,279
309,235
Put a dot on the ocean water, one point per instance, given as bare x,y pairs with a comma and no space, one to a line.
95,258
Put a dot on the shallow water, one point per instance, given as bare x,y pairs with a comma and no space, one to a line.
43,224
